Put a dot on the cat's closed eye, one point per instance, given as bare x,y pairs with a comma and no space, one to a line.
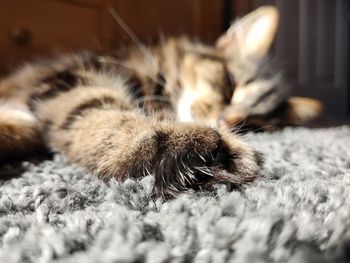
229,87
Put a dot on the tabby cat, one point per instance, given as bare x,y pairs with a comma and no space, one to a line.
164,110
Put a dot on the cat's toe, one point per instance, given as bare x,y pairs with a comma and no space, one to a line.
233,162
236,162
198,157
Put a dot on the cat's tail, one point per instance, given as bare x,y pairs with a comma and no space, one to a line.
18,130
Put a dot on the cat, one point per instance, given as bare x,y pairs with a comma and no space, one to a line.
165,109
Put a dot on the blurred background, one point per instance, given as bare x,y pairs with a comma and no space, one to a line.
312,41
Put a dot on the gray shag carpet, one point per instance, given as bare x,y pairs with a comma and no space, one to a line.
298,211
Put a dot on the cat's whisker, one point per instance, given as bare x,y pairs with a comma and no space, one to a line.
173,189
189,175
148,173
201,156
130,33
142,99
238,127
129,66
234,123
262,128
182,177
204,170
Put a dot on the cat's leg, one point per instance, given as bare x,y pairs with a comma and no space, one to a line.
124,144
18,130
98,128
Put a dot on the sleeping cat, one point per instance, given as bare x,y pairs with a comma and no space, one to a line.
164,110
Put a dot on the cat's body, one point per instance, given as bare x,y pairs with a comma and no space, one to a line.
144,111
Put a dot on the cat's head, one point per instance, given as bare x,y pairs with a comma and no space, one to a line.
236,82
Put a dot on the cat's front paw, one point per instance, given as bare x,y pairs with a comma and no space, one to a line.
192,156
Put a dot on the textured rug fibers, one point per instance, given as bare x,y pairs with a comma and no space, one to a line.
297,211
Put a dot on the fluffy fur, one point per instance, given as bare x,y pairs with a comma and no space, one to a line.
297,211
140,111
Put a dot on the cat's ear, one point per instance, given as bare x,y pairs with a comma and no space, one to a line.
251,35
299,111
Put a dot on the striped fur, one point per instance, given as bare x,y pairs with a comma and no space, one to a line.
119,115
93,114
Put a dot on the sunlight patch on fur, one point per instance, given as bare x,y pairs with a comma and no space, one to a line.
184,106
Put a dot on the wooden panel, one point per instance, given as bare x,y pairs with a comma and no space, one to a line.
241,7
91,3
46,25
148,18
208,19
28,28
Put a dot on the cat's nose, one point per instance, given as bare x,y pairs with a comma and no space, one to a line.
230,118
223,122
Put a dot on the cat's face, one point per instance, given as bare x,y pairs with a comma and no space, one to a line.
207,89
235,81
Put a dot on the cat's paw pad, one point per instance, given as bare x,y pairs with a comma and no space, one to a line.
191,156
